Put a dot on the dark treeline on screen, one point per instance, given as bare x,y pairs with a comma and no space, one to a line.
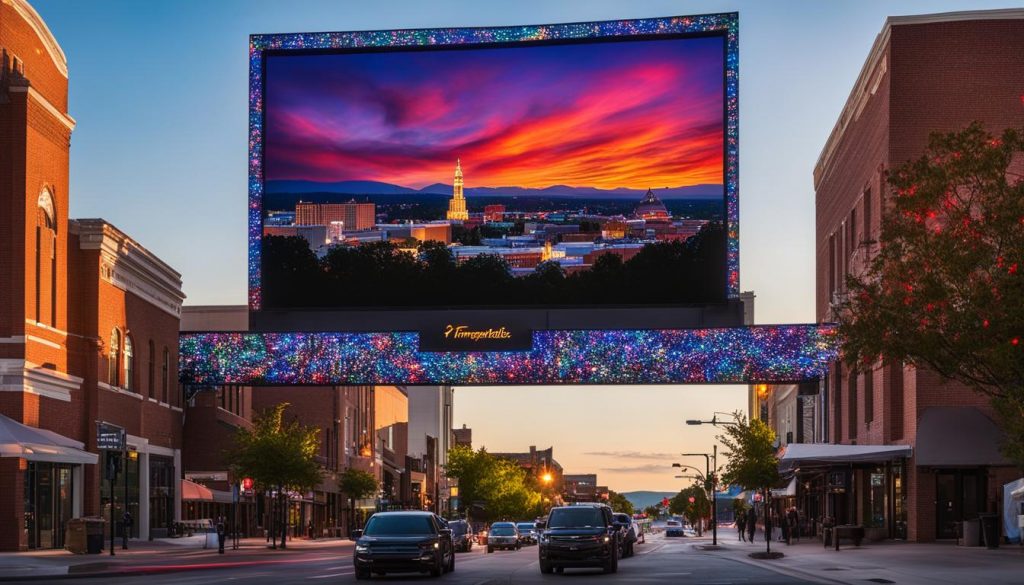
386,274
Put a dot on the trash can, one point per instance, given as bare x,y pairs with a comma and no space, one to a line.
990,529
971,533
94,534
75,537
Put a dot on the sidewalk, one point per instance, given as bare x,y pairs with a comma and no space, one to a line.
162,556
880,562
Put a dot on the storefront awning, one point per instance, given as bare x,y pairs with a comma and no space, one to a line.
955,436
194,492
797,455
19,440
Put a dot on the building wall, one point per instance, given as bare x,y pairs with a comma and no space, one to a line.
924,75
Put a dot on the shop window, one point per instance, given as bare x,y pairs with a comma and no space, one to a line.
114,359
869,396
851,396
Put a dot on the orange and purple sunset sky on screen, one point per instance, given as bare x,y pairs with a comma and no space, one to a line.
634,114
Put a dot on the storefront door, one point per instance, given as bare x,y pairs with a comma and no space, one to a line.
959,496
48,503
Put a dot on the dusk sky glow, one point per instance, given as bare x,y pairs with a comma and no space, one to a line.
635,114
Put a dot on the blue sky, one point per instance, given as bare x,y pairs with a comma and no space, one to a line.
159,90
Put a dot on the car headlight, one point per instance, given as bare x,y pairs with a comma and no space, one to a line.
606,539
361,548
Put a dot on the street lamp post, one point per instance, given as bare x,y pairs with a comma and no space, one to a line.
711,476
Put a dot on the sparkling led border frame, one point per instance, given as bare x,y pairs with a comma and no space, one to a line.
727,23
740,355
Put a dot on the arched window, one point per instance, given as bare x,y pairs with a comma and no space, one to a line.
129,363
151,372
165,373
46,258
114,359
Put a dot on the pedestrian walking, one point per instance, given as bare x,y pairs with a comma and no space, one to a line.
794,523
741,525
751,523
222,534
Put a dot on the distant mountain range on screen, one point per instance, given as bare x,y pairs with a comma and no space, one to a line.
355,188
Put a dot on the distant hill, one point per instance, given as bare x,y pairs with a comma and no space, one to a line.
356,188
642,499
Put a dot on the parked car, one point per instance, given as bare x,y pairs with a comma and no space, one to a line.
462,535
674,528
403,542
579,536
638,528
503,535
527,532
629,534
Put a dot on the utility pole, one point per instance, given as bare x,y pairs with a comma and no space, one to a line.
714,496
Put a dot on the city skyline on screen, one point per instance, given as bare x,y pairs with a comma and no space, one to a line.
605,115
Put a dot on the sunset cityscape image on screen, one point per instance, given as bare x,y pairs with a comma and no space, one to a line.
531,161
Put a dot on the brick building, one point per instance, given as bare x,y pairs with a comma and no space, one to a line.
924,74
88,323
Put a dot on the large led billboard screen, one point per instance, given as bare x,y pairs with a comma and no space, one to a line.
570,165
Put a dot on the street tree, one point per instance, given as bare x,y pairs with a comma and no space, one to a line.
752,463
696,511
279,455
492,488
943,289
652,511
357,484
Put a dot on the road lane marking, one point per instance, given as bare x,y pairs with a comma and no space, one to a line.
329,576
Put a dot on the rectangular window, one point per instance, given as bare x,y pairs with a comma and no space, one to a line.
851,396
895,401
832,271
868,216
869,395
853,230
39,272
837,404
165,375
53,281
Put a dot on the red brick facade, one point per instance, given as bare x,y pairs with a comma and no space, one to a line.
67,285
925,74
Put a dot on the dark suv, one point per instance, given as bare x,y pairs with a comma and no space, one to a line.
579,536
403,542
462,535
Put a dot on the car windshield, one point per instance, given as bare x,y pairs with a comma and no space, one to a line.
575,518
523,527
399,525
503,530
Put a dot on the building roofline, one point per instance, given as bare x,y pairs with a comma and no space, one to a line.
857,93
29,14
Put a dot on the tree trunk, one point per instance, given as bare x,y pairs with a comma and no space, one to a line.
272,521
284,519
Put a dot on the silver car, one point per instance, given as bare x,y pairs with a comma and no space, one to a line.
503,535
527,532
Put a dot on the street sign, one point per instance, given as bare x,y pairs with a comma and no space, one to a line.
109,437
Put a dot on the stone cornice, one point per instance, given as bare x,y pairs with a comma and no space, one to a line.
129,266
29,14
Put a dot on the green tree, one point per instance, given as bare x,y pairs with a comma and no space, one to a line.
492,488
750,449
619,503
279,455
357,484
696,511
944,289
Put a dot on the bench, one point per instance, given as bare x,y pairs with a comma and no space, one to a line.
834,534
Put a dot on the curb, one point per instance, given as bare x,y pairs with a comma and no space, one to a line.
130,571
776,568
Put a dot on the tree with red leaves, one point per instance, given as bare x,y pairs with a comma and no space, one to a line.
944,289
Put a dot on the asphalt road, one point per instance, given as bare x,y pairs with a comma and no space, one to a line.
663,561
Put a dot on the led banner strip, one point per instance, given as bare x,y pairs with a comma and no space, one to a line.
741,355
726,24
